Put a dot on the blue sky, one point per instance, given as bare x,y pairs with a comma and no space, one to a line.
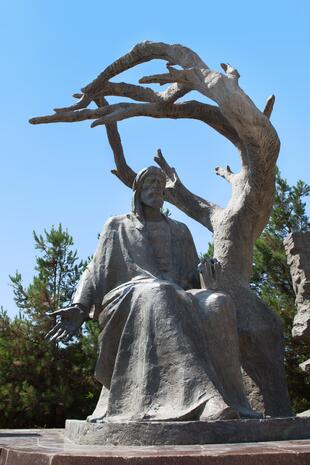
61,173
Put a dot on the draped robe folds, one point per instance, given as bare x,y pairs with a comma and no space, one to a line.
154,354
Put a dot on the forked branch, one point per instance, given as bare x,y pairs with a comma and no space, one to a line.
175,192
225,173
269,106
234,116
122,171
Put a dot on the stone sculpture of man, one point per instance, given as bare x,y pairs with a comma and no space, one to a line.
167,349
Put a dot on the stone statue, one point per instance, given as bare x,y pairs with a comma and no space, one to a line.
235,227
168,350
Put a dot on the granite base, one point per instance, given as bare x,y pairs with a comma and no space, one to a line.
187,432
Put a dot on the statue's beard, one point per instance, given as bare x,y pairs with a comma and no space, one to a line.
152,199
155,202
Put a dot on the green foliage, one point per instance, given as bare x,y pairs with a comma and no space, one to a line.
272,281
57,270
43,383
209,254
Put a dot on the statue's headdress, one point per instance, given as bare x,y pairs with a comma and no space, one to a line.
137,187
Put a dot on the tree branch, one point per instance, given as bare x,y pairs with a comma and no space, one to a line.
236,107
134,92
193,109
181,76
141,53
84,102
225,173
69,116
269,106
235,117
123,171
176,193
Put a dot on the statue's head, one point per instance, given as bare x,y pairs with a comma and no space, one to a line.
149,189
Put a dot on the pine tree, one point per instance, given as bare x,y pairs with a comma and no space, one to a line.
43,383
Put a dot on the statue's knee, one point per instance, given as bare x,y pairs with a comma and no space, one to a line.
220,301
146,289
153,289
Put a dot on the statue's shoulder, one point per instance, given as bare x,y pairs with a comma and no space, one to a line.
179,227
115,222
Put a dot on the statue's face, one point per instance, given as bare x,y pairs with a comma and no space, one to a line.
152,192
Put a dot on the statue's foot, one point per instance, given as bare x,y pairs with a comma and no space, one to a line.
217,409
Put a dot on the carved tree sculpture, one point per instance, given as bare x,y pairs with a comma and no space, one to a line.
236,227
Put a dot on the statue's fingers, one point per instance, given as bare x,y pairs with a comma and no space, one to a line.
53,330
217,268
63,335
56,312
201,266
56,335
206,273
209,269
68,336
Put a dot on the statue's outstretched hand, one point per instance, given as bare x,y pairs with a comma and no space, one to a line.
210,274
71,320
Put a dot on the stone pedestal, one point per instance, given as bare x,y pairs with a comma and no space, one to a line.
186,432
48,447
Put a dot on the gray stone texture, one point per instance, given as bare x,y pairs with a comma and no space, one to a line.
253,393
191,432
297,247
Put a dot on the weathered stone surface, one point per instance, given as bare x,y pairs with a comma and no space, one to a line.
253,393
297,247
48,447
191,432
301,324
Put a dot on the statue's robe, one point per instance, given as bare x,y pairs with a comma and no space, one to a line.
153,351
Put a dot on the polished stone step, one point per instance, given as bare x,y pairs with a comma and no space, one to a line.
49,447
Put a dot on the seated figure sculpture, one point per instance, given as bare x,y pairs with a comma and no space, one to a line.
168,349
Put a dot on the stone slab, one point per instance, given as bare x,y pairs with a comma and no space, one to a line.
187,432
49,447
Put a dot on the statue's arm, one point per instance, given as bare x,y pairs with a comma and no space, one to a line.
70,319
93,283
89,293
85,293
191,274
